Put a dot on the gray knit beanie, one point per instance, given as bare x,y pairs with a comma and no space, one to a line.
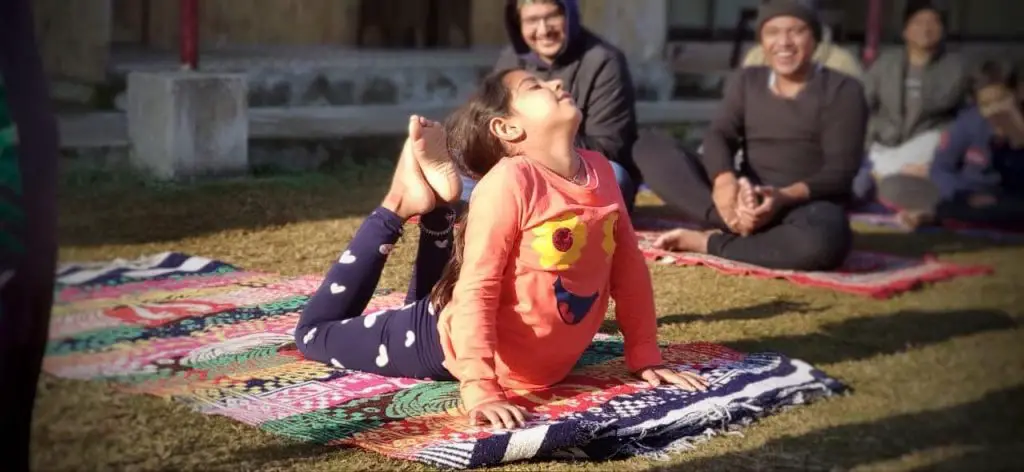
799,9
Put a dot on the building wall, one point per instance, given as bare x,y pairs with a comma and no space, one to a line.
74,38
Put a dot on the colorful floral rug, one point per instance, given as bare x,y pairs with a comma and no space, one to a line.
864,273
220,339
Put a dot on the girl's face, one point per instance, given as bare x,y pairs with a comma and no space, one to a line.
538,107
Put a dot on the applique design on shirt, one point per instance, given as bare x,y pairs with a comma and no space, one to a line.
560,242
608,244
571,307
976,157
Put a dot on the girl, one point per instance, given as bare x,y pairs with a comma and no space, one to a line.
528,276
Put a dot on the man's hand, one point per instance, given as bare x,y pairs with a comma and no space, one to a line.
501,414
915,170
687,380
765,211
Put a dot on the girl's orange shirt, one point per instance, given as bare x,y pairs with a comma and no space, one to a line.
542,257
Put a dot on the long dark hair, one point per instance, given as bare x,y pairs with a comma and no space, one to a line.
474,151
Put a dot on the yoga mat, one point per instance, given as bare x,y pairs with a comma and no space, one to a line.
220,339
864,273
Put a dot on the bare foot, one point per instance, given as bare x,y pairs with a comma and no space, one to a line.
430,149
410,194
685,240
746,197
914,219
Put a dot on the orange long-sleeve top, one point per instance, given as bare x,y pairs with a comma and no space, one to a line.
542,257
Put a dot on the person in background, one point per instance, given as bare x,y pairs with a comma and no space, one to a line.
28,232
977,176
914,93
827,53
802,127
549,40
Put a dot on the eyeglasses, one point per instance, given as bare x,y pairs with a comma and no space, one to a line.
551,19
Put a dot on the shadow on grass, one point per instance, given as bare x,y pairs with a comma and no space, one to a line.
923,244
986,432
134,212
276,455
753,312
862,338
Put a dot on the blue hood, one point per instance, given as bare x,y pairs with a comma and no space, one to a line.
573,28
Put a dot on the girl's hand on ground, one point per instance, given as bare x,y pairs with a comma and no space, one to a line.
687,380
500,414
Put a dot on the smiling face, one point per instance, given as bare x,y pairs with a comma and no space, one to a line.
923,30
542,24
788,43
536,108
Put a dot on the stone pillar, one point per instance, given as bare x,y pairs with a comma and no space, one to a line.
188,124
638,27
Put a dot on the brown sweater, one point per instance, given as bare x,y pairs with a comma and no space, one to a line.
816,138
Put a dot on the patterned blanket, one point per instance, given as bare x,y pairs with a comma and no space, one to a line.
219,338
864,273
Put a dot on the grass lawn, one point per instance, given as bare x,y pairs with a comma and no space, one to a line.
938,374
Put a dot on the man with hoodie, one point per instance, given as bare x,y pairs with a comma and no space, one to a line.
549,40
28,220
914,93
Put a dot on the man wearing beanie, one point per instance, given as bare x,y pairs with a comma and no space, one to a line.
801,128
914,92
827,53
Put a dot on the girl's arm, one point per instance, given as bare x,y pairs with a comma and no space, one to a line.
634,298
492,230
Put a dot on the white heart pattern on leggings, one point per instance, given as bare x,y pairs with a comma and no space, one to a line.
309,335
410,337
370,319
337,364
385,249
382,356
441,244
347,257
336,289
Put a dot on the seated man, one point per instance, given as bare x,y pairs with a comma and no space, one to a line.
977,176
548,40
802,127
914,93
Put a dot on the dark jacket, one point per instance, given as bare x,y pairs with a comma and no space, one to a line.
597,76
943,92
971,159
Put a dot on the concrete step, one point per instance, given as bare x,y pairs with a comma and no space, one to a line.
110,129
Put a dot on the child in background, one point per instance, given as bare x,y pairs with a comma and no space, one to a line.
512,298
977,176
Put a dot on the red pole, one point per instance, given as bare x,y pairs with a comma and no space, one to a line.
189,47
872,31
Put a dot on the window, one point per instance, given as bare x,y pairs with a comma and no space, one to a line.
708,20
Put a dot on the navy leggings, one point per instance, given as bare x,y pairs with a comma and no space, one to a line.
399,342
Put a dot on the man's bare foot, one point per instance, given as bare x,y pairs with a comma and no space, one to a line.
429,146
747,198
914,219
410,194
685,240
